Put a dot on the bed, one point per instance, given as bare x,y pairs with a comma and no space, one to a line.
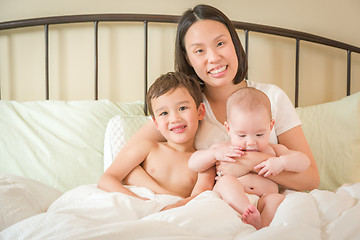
53,151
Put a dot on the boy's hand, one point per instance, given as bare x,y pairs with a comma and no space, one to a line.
271,167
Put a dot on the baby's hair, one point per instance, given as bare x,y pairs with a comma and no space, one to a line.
247,99
169,82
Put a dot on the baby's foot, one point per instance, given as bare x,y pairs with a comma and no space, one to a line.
252,216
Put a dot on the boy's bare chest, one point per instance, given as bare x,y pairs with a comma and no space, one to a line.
170,169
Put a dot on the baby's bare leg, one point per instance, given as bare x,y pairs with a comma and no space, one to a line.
232,191
267,205
252,216
258,185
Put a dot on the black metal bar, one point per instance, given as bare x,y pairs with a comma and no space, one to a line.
90,18
145,64
299,36
295,34
297,59
96,30
174,19
247,50
47,84
348,73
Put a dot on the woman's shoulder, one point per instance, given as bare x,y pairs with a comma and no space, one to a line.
273,92
265,87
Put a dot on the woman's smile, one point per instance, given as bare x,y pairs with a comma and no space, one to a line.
217,72
211,52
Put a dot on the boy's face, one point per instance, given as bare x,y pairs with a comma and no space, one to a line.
176,115
250,129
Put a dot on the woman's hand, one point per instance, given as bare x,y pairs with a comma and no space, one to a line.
242,165
271,167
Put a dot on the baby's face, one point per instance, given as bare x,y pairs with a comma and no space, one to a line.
250,129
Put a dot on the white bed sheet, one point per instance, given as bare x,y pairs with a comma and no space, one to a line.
87,212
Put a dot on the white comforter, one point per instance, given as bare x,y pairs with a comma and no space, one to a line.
90,213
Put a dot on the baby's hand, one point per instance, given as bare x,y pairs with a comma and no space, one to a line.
227,153
271,167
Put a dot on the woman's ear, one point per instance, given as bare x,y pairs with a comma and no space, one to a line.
201,111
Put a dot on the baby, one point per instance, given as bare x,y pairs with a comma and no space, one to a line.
249,122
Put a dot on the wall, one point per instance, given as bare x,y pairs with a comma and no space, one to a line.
321,79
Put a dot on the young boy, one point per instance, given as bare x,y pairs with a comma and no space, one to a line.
175,104
249,122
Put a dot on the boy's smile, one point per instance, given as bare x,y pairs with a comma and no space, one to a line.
176,116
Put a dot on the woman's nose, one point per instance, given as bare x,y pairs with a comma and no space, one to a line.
213,56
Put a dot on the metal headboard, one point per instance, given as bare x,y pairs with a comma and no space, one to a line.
147,18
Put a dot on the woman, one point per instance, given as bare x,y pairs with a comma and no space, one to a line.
208,48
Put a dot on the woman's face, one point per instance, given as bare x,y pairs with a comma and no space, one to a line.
211,52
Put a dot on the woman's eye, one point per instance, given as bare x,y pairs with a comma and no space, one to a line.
163,113
220,44
199,51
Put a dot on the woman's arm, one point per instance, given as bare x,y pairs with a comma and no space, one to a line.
285,160
147,132
293,139
242,165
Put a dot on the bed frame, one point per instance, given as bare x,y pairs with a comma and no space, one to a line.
66,145
148,18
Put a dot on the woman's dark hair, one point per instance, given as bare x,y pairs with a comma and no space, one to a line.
206,12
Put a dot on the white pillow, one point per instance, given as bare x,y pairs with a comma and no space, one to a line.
333,132
22,197
53,141
118,132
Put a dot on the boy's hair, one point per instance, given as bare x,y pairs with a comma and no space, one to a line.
247,99
206,12
171,81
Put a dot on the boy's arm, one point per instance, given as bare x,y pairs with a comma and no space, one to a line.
285,160
123,164
202,160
